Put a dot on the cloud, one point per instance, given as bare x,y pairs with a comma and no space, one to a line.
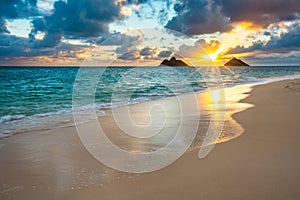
292,59
211,47
165,54
145,53
13,46
89,21
148,51
286,42
69,19
260,12
12,9
16,9
133,55
75,19
194,17
130,43
3,28
115,39
200,47
50,40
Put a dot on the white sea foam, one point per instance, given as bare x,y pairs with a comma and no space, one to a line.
8,118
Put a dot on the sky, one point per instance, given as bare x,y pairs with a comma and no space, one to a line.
144,32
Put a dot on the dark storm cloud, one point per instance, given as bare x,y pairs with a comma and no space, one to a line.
278,60
78,19
51,39
195,17
13,46
70,19
3,28
129,44
137,1
133,55
13,9
115,39
148,51
75,19
284,43
262,12
165,54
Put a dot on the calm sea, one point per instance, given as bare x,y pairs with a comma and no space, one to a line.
40,98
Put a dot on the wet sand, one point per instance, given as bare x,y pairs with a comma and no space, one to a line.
263,163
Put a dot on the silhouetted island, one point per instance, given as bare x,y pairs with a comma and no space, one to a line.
235,62
173,62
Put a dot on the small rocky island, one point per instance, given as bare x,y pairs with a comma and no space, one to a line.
173,62
235,62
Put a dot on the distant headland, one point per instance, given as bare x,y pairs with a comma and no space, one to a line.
236,62
173,62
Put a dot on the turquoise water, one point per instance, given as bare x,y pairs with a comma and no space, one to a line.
28,95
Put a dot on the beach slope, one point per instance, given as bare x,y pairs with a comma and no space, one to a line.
263,163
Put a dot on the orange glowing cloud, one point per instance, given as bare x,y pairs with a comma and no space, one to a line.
238,36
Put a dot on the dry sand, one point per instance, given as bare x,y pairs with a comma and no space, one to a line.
263,163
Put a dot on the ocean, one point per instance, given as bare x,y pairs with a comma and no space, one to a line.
40,98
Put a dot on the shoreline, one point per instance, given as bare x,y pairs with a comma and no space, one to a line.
66,118
25,176
261,164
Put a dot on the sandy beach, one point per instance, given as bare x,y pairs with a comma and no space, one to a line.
262,163
149,100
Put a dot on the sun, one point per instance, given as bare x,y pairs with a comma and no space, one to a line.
213,56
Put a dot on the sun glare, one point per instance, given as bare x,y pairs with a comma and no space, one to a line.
213,56
237,36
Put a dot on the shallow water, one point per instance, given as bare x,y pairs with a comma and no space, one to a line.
34,99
